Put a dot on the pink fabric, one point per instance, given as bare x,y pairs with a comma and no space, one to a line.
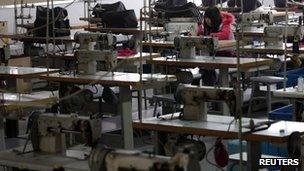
126,52
226,32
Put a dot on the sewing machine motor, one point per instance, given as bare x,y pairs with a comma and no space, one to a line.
48,130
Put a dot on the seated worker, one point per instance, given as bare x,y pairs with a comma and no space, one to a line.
249,5
217,24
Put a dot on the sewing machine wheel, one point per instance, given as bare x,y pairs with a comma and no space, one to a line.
197,147
78,102
32,126
294,145
97,158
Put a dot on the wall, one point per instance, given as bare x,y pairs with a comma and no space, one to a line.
77,10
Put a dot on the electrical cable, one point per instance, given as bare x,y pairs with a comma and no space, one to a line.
230,123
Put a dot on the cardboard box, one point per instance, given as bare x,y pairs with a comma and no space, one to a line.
22,85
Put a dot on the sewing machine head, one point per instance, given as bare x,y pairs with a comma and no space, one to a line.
102,40
254,17
105,159
48,131
187,45
177,26
194,97
262,16
274,35
95,47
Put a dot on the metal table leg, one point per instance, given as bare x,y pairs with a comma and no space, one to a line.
63,88
224,82
125,109
253,155
2,135
297,109
159,140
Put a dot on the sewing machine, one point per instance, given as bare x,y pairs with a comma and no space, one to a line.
194,97
177,26
274,35
187,45
264,18
95,47
48,131
104,159
260,17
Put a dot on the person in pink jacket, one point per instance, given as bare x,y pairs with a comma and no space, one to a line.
217,24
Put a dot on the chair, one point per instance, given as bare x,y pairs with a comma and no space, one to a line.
264,80
183,77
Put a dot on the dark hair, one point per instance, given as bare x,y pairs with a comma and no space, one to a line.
214,14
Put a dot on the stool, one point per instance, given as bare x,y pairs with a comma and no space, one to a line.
265,80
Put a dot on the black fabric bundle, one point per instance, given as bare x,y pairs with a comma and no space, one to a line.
115,15
62,25
175,8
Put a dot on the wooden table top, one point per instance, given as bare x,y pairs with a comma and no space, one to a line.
161,43
228,9
105,78
131,58
136,57
23,72
15,97
34,39
209,63
223,44
15,102
252,32
125,30
290,92
217,126
263,50
72,27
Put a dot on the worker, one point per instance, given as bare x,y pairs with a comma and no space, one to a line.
217,24
248,5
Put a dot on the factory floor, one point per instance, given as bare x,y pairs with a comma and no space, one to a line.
144,143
